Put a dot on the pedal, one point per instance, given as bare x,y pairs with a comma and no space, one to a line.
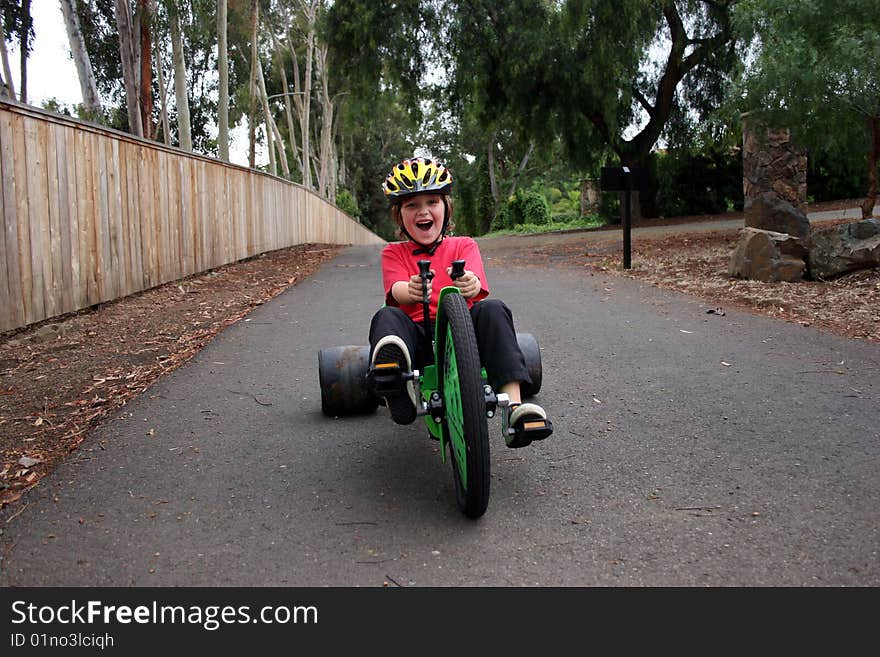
525,431
536,429
388,379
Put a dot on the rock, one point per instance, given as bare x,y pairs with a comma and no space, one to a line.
769,212
836,250
768,256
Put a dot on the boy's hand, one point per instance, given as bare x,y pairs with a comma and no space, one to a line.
468,285
414,289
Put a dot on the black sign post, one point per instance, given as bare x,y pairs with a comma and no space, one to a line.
626,180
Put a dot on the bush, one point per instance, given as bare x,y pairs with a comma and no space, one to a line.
569,217
708,181
535,209
347,203
502,220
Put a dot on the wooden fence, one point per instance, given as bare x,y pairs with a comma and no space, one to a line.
92,214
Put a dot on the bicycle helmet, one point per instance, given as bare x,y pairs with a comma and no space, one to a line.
416,176
419,175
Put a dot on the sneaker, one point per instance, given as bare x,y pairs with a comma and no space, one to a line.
389,370
525,423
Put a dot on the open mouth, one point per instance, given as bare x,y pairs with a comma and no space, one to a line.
425,225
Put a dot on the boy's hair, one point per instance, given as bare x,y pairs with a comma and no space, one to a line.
397,217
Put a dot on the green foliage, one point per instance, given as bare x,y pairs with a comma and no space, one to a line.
535,209
815,71
707,181
346,202
568,222
524,207
831,177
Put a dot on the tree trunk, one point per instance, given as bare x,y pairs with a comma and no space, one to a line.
305,108
145,79
288,112
26,22
163,89
522,167
873,156
129,66
223,71
9,86
267,120
87,84
493,181
252,87
325,169
181,95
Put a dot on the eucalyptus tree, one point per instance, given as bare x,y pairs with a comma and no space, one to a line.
378,63
223,84
85,73
7,87
17,23
816,70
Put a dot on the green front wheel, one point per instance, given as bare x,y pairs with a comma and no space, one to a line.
461,385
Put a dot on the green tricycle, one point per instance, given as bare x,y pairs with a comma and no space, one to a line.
455,397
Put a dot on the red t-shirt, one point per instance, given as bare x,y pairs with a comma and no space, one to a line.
399,264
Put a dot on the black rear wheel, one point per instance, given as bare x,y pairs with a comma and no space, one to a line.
532,354
342,374
461,386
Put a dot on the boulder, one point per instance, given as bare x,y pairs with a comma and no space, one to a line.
769,212
836,250
768,256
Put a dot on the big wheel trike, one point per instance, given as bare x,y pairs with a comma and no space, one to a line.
454,396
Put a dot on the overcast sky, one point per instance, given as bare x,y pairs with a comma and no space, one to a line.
51,72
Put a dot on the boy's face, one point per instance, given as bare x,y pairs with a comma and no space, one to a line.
422,217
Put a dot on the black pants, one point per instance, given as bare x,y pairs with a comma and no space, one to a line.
496,340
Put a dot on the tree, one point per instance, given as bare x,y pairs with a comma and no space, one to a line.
223,72
626,69
7,88
606,75
816,72
129,56
26,30
181,91
16,23
87,83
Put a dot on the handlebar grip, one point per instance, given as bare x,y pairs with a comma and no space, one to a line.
425,270
457,269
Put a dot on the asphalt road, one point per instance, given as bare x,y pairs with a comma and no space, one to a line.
691,449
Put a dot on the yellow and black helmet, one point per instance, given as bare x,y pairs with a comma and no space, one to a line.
416,176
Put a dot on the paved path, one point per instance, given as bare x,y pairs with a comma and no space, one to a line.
690,449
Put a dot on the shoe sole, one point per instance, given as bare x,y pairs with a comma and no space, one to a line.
400,405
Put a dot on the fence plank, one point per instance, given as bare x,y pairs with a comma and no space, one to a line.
62,193
15,316
38,217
